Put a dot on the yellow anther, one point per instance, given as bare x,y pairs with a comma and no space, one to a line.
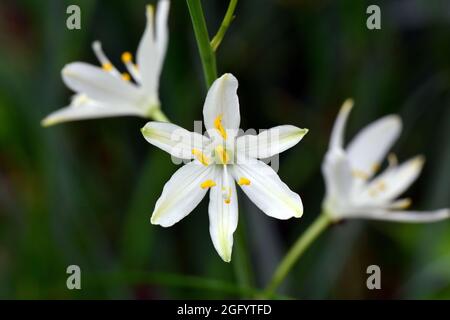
243,181
221,154
107,66
127,57
392,159
207,184
405,204
226,193
200,156
375,167
126,76
219,127
360,174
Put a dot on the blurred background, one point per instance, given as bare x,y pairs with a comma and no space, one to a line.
82,193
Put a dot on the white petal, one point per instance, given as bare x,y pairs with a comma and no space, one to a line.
147,57
337,135
173,139
181,194
267,191
338,176
368,149
270,142
223,216
406,216
395,180
84,108
222,101
100,85
162,32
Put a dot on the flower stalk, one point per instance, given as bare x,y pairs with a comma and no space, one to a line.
296,251
207,55
229,16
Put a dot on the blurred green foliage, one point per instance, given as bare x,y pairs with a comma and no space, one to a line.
82,193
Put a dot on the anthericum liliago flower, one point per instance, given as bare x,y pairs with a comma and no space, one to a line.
351,189
219,160
106,92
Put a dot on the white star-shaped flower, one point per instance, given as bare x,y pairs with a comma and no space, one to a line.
217,161
105,91
352,191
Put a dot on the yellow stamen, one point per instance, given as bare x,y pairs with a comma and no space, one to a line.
207,184
243,181
200,156
376,167
126,76
226,195
392,159
404,204
219,127
222,154
107,66
360,174
127,57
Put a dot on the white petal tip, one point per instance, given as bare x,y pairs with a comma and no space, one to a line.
298,213
149,11
147,130
419,161
48,121
227,77
394,120
226,257
447,213
347,105
156,221
302,132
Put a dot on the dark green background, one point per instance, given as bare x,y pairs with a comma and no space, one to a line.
82,193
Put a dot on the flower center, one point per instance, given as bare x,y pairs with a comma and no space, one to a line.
221,154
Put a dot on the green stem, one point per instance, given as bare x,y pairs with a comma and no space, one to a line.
229,16
158,115
241,261
201,35
208,58
296,251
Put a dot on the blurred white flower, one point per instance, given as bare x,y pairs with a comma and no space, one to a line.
220,159
352,191
105,92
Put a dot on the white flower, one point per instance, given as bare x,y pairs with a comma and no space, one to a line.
352,191
220,159
105,92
